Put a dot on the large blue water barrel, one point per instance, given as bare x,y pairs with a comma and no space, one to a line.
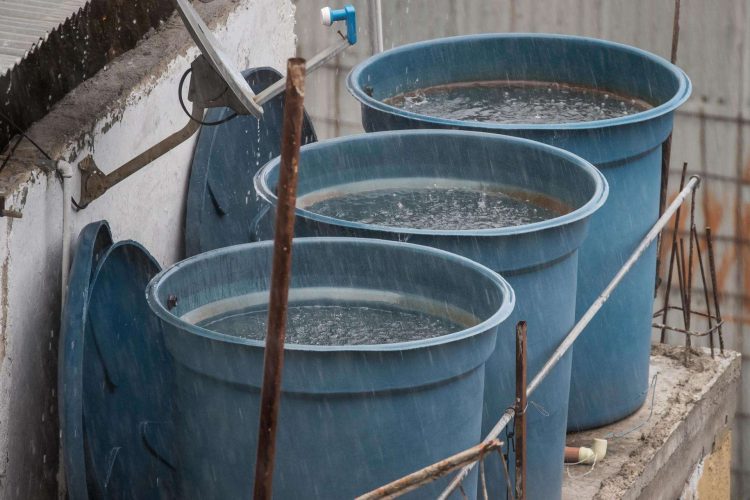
610,366
539,259
352,417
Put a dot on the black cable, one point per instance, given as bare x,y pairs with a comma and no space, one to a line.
76,205
20,131
184,108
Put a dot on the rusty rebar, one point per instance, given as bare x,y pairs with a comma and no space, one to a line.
677,308
683,294
519,431
675,32
672,257
273,358
432,472
666,148
666,153
714,284
690,254
699,253
692,333
689,288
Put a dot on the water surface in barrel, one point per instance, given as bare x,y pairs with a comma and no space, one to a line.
437,204
343,323
516,102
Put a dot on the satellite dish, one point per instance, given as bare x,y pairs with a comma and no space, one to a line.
214,83
213,74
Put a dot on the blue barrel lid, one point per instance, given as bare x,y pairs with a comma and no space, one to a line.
221,204
115,375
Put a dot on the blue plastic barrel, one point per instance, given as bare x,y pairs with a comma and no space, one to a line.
538,259
610,366
352,417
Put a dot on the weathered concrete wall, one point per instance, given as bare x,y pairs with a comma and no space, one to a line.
124,109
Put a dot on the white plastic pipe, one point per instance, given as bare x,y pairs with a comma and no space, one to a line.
66,172
567,343
376,14
585,455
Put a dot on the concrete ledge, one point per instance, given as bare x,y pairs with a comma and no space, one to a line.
693,411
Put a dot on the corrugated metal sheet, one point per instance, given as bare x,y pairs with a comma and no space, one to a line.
26,23
76,42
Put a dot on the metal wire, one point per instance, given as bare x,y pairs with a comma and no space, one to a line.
20,131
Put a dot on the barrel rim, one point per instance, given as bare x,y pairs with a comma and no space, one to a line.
506,307
598,199
683,92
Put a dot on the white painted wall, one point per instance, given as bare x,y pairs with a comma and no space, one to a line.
148,207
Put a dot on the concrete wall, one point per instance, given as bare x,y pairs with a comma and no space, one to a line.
712,130
118,113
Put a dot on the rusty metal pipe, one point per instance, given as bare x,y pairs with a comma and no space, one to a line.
273,357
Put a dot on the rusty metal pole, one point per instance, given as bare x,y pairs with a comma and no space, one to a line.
714,285
273,360
666,148
520,419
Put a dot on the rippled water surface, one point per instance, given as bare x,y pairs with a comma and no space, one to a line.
438,207
517,102
338,324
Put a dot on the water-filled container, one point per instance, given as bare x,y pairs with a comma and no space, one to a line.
610,367
352,417
538,259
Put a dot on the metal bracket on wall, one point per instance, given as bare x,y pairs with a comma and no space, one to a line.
15,214
95,183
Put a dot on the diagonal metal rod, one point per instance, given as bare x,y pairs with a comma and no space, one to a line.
281,273
567,343
433,472
314,63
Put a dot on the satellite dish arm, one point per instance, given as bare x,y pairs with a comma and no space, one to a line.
214,83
